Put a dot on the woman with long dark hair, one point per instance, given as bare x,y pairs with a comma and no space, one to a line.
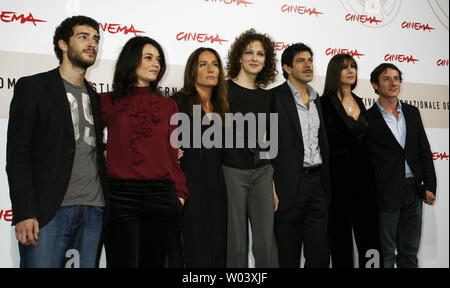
251,65
147,185
204,220
352,206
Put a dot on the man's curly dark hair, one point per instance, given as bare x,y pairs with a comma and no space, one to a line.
65,30
269,71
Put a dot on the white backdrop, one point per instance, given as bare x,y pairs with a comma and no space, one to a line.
411,34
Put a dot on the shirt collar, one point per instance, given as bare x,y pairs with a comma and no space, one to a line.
399,108
312,93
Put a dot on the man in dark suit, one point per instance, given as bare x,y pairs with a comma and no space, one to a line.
301,166
54,158
403,166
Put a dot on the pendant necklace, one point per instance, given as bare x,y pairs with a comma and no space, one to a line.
349,107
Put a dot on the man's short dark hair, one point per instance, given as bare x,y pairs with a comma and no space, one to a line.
65,30
375,75
289,53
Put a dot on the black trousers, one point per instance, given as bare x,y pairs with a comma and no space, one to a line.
143,215
352,212
304,224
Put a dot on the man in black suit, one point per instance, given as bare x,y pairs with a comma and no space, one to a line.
403,166
301,175
55,161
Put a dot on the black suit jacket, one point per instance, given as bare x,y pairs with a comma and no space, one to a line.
288,163
41,146
388,158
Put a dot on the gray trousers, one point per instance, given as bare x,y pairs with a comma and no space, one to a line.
250,197
401,230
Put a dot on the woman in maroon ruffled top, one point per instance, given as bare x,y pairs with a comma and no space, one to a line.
147,185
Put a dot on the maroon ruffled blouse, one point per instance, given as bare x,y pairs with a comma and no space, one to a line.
138,145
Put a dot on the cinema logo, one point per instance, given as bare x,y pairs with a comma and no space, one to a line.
301,10
400,58
440,156
280,46
372,13
353,53
416,26
442,63
9,17
118,28
363,19
6,215
229,2
199,37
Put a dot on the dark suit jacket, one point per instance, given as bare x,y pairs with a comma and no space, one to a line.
288,163
388,158
41,146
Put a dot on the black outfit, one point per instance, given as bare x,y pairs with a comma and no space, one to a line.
353,203
303,194
203,224
41,146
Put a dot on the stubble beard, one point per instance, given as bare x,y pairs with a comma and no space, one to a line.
77,60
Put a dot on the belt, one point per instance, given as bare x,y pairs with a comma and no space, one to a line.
410,181
311,170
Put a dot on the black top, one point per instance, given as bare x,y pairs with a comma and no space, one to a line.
345,134
193,156
254,101
359,127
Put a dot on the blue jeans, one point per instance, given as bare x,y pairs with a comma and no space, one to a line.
401,229
70,239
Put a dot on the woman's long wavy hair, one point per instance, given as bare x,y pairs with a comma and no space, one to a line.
125,78
219,97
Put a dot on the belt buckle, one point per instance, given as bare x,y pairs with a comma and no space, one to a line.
310,170
307,170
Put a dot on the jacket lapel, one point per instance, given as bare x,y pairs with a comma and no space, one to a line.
323,140
94,100
409,127
384,126
289,104
337,105
58,94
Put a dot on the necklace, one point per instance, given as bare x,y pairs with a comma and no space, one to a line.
349,107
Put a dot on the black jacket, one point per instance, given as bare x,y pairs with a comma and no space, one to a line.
351,173
288,163
41,146
388,158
